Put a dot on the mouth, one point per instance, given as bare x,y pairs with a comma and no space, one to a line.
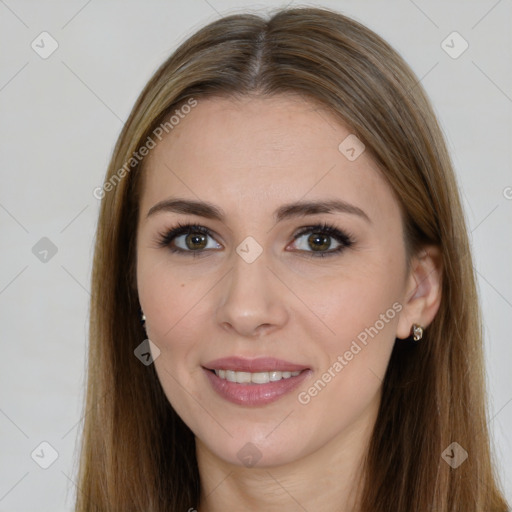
254,378
254,382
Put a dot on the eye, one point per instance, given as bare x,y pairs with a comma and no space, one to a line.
187,238
319,240
193,239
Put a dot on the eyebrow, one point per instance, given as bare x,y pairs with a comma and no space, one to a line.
287,211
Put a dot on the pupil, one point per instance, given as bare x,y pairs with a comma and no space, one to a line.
315,238
196,239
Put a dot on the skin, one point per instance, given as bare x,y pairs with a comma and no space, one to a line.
249,157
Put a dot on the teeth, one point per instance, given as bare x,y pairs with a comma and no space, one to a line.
254,378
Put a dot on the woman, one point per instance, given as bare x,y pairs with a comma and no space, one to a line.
284,313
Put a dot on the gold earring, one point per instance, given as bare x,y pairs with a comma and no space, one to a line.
417,332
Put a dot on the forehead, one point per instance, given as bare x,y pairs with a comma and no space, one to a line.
251,155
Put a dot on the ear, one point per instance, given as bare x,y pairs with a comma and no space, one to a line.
422,295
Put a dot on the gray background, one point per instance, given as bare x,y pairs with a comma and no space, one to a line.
60,118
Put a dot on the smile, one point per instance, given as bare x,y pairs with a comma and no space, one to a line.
254,382
254,378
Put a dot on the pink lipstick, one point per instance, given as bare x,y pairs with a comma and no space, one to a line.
254,382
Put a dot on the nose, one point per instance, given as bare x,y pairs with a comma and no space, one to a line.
251,299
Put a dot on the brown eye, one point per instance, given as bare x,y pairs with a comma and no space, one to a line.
188,238
195,241
192,239
316,242
320,241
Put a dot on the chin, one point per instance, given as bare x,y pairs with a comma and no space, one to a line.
256,448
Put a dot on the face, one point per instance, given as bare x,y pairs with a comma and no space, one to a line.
301,316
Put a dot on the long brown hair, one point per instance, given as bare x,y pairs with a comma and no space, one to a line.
136,453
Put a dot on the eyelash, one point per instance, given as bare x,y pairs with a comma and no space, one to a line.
345,239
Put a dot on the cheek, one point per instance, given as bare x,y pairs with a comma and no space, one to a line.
170,301
362,301
354,361
362,313
174,316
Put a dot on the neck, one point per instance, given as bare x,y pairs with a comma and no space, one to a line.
328,479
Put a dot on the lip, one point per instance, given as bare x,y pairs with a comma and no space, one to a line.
259,364
254,394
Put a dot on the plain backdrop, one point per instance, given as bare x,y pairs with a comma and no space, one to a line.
59,119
